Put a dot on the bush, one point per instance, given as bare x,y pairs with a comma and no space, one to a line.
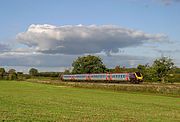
12,76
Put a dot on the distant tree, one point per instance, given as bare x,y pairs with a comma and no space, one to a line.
12,74
177,70
19,73
33,72
20,76
48,74
66,71
88,64
2,71
117,69
11,71
163,67
143,69
147,72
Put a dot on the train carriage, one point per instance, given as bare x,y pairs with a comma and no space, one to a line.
134,77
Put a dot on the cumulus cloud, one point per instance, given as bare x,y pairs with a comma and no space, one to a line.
81,39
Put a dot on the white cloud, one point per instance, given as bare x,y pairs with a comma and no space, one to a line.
81,39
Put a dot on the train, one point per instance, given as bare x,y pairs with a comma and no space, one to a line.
134,77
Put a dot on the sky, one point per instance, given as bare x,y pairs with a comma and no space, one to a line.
51,34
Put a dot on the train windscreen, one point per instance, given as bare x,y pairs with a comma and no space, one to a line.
138,74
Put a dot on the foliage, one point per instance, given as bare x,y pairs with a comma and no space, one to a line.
88,64
12,74
177,70
48,74
67,71
164,68
117,69
147,72
12,71
33,72
2,71
26,76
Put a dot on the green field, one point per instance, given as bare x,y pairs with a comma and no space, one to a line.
25,101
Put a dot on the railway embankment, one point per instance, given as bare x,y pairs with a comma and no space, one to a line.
156,88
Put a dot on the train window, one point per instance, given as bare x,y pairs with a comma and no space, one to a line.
138,74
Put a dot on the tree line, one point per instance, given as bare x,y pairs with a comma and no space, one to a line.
33,72
9,75
162,70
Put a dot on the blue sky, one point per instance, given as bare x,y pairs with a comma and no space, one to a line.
148,16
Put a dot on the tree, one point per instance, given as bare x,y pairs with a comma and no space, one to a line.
148,73
163,67
11,71
33,72
88,64
117,69
12,74
2,71
67,71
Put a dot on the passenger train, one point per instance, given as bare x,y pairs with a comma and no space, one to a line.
134,77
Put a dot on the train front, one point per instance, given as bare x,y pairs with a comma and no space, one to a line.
136,77
139,76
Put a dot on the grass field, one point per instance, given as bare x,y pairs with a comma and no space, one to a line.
25,101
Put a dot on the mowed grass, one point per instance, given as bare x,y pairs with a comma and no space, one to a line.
25,101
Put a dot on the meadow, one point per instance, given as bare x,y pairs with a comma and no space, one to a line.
26,101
